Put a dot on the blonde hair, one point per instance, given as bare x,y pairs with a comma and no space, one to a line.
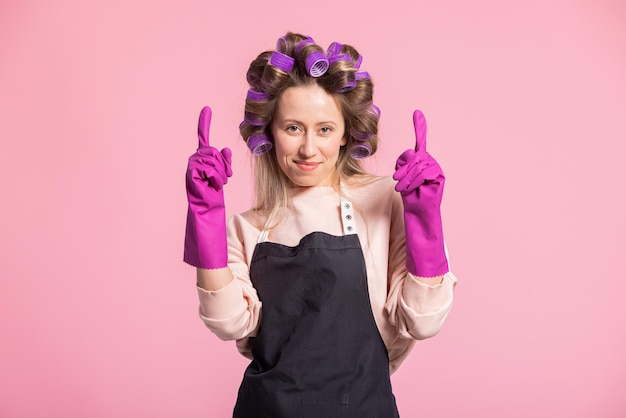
269,82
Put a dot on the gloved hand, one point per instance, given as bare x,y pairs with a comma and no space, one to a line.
420,182
207,173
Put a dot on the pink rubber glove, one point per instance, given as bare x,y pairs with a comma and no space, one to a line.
420,181
207,173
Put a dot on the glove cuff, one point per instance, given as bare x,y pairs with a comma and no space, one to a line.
425,249
426,263
205,239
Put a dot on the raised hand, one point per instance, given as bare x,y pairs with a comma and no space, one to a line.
420,182
208,171
208,165
416,167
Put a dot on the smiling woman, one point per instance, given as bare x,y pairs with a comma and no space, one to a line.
308,131
330,279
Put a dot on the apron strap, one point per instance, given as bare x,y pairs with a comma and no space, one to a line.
265,232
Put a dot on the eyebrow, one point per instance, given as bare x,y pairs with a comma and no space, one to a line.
326,122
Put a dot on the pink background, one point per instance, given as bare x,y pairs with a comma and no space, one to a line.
98,113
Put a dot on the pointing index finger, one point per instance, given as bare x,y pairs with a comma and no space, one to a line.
204,123
419,123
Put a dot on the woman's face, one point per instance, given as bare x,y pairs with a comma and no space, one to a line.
308,130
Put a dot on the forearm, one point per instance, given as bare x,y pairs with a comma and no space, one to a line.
213,279
417,309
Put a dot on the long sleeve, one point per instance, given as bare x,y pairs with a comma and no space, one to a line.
233,311
416,309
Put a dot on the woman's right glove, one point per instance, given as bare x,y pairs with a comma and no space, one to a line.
207,173
420,182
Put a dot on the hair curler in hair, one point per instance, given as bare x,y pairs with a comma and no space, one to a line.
348,86
334,49
360,135
360,150
337,57
257,95
306,41
281,44
281,61
351,83
316,64
259,144
375,111
252,119
362,75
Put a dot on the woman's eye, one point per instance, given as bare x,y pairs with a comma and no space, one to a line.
292,128
326,130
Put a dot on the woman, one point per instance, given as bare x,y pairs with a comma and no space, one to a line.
328,281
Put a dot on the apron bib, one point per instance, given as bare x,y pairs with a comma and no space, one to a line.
318,352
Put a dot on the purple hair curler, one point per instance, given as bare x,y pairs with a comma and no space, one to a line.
252,119
360,150
316,64
337,57
281,61
362,75
281,44
333,49
375,111
257,96
361,136
350,85
302,44
259,144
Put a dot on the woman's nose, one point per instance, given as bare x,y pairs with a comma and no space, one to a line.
307,148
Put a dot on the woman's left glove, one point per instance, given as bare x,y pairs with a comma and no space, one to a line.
420,182
207,173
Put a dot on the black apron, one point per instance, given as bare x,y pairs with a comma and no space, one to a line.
318,352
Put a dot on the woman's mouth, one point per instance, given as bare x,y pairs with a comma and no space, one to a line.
307,165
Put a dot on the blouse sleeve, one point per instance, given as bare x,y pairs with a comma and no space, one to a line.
416,309
233,311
